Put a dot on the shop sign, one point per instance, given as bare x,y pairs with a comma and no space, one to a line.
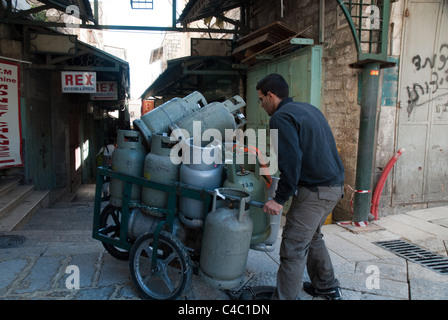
105,90
78,82
10,129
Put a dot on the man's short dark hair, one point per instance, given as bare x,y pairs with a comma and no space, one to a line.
274,83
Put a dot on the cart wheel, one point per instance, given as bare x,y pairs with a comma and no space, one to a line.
173,268
111,218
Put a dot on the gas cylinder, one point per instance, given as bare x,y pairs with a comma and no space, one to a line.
239,177
216,115
128,158
274,221
159,119
158,167
212,116
226,239
198,170
140,223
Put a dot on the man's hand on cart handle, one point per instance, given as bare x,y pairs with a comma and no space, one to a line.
272,207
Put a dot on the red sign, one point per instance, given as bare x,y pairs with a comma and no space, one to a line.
147,105
105,90
10,129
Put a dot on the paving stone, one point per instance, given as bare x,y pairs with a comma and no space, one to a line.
423,289
430,213
392,269
127,292
114,271
102,293
258,261
41,275
10,271
87,268
350,251
199,290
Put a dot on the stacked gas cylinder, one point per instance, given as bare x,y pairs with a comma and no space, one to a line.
166,147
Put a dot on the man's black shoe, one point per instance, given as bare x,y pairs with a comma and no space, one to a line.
331,294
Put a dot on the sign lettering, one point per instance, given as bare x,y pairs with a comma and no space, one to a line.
78,82
105,90
10,129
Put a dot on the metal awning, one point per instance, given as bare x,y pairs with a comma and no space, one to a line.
213,76
108,68
23,13
199,9
76,55
85,10
21,9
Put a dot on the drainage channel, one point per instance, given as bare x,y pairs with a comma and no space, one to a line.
416,254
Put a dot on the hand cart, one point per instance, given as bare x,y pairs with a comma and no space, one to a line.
160,264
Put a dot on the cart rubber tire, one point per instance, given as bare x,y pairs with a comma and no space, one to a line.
173,267
114,212
257,293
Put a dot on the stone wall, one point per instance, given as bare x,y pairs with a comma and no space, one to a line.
340,105
339,81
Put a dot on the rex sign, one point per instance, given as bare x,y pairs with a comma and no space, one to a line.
105,90
78,82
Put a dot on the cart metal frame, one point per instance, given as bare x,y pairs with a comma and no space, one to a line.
123,242
179,189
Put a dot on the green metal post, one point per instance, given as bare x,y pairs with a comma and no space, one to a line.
174,18
366,143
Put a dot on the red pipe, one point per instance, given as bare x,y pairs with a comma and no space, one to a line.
379,186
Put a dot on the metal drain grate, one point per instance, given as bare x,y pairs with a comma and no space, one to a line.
11,241
416,254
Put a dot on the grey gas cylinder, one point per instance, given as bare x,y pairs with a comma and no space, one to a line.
226,239
159,119
140,223
198,169
239,177
274,221
216,115
128,158
158,167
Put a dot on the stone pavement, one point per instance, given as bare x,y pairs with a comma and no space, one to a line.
39,261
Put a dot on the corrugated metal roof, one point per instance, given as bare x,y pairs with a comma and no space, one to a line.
199,9
187,74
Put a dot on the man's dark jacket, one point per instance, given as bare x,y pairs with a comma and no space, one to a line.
306,151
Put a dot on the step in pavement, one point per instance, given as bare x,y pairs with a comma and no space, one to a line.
18,203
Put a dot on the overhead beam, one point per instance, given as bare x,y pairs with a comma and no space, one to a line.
24,13
115,27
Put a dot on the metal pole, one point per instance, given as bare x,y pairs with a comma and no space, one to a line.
174,18
366,143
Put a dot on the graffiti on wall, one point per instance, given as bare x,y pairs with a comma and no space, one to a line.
432,85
